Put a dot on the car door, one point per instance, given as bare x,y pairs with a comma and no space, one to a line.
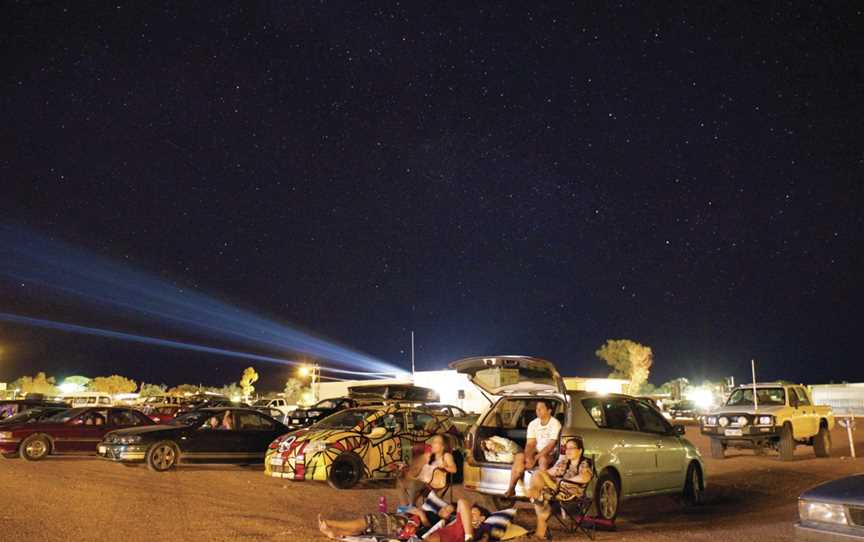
217,442
83,434
635,450
255,433
669,453
807,411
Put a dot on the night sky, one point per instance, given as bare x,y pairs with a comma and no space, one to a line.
499,179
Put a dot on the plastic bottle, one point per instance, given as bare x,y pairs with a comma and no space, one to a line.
382,503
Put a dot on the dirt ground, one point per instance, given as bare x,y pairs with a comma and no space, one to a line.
63,499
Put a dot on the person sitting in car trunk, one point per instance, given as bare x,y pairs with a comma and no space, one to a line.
542,438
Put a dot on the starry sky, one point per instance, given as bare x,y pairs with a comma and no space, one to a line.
498,178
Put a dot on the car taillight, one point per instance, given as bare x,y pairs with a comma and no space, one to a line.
469,441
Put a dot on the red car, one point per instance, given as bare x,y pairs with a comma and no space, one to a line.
161,413
73,431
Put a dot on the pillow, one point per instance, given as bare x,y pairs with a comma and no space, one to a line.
514,531
497,522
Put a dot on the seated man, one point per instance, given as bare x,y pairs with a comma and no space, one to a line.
542,438
573,468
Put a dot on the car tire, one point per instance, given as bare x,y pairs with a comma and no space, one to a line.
346,471
162,456
607,496
822,442
718,449
787,443
35,448
694,486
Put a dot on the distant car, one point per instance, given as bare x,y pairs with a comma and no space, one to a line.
273,413
358,443
200,436
32,415
162,413
73,431
461,419
304,417
832,511
13,407
684,410
280,404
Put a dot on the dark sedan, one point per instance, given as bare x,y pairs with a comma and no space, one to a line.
304,417
832,511
207,435
32,415
12,407
73,431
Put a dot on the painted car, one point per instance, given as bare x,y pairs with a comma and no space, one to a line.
357,443
73,431
832,511
636,451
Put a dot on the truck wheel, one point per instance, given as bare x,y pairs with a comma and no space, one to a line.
718,449
822,442
787,443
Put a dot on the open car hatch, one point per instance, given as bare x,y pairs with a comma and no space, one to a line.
502,375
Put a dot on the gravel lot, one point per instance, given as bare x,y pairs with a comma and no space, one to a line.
64,499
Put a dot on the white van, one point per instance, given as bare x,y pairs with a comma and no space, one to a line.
88,398
279,404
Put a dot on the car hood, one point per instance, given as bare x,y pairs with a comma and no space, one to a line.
746,409
849,490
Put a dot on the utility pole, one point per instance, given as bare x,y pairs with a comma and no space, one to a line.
412,355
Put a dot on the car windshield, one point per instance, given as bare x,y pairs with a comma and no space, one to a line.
345,419
765,396
66,415
325,404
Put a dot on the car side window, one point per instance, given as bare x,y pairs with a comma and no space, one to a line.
802,397
420,421
611,413
649,420
251,421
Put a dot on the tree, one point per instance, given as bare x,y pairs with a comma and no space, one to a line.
35,384
151,390
629,360
183,389
293,390
231,390
113,384
249,378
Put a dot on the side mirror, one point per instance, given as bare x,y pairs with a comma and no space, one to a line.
679,430
378,432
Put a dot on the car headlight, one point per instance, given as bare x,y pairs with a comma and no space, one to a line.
129,439
315,447
5,435
723,421
765,420
742,421
711,420
822,511
313,413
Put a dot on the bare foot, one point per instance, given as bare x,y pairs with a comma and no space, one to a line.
510,493
322,526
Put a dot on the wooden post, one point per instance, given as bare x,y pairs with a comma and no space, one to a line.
849,422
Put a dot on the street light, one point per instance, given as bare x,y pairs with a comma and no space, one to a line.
314,372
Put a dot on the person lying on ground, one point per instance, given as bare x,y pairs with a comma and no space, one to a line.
430,470
542,438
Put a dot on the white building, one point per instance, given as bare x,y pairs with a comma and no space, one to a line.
842,398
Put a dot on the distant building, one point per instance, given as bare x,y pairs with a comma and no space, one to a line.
842,398
598,385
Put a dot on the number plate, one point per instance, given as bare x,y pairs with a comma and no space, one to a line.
295,420
103,449
733,433
276,461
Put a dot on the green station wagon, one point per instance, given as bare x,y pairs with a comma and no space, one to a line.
636,452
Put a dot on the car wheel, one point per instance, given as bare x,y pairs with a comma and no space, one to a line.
694,487
718,449
822,442
162,456
35,447
787,443
346,471
607,496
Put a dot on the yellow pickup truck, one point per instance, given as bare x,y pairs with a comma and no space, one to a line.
781,417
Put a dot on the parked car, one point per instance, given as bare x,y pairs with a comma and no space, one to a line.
685,409
279,404
13,407
782,417
461,419
274,413
358,443
832,511
635,451
89,398
161,413
73,431
32,415
304,417
199,436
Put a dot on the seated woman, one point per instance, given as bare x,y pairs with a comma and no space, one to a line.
565,480
429,471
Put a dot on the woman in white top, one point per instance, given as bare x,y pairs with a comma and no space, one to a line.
431,470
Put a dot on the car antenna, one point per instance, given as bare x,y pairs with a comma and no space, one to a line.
753,370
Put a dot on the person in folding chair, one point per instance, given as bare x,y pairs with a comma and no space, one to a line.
564,482
431,471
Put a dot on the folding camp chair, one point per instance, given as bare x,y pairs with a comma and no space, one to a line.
441,490
572,511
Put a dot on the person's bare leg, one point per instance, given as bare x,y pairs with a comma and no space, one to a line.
402,483
335,529
516,473
544,462
543,512
538,483
463,507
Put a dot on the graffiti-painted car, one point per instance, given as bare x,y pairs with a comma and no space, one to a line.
358,443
